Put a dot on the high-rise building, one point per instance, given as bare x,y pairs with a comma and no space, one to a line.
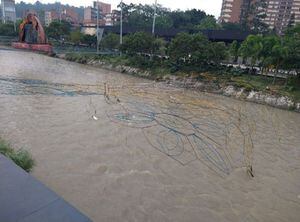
279,13
103,7
50,16
231,11
67,14
90,14
8,11
282,13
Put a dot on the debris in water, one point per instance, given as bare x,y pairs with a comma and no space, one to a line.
95,118
250,171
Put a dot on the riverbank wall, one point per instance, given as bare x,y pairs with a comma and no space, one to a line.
265,98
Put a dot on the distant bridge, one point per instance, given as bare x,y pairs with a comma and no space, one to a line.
227,36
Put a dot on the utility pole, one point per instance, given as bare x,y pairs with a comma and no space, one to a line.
3,11
97,27
154,18
60,12
121,24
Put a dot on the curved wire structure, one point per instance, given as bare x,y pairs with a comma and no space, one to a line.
183,127
186,127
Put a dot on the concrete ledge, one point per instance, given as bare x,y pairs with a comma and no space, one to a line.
25,199
34,47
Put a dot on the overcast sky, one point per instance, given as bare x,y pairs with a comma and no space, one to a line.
209,6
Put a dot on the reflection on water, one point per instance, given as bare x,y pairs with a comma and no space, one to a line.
13,86
185,128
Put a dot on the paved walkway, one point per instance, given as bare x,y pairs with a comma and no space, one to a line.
24,199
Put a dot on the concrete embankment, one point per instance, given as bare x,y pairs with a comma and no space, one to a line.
265,98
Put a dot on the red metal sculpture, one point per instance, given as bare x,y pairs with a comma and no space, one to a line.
32,35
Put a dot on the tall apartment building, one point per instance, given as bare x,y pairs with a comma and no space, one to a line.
279,13
231,11
67,14
104,7
50,16
8,11
90,14
282,13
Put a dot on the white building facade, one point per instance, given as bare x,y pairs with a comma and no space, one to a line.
8,11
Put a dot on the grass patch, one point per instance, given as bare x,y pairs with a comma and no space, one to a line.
291,88
250,82
21,157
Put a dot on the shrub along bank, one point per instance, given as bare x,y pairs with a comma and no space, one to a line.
21,157
194,57
212,75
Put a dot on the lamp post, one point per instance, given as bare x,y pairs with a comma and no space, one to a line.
154,18
121,24
60,12
97,27
3,11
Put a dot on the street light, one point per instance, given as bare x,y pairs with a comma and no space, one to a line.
59,11
121,24
97,27
154,18
3,12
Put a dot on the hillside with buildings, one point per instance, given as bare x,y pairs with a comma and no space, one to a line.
260,16
57,11
10,11
275,15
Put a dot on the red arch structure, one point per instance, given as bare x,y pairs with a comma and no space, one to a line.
32,35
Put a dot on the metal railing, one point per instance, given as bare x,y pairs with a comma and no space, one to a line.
7,40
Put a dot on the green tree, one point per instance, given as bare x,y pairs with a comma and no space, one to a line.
293,32
201,51
181,48
292,43
217,52
163,22
234,50
110,42
251,48
188,19
141,16
266,54
279,55
58,30
209,23
195,50
139,43
89,39
7,29
76,37
162,46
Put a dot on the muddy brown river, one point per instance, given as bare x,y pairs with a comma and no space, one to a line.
121,148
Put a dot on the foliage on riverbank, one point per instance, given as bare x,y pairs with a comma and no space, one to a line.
21,157
218,75
8,29
194,55
289,88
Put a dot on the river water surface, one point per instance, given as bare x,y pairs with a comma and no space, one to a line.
120,148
